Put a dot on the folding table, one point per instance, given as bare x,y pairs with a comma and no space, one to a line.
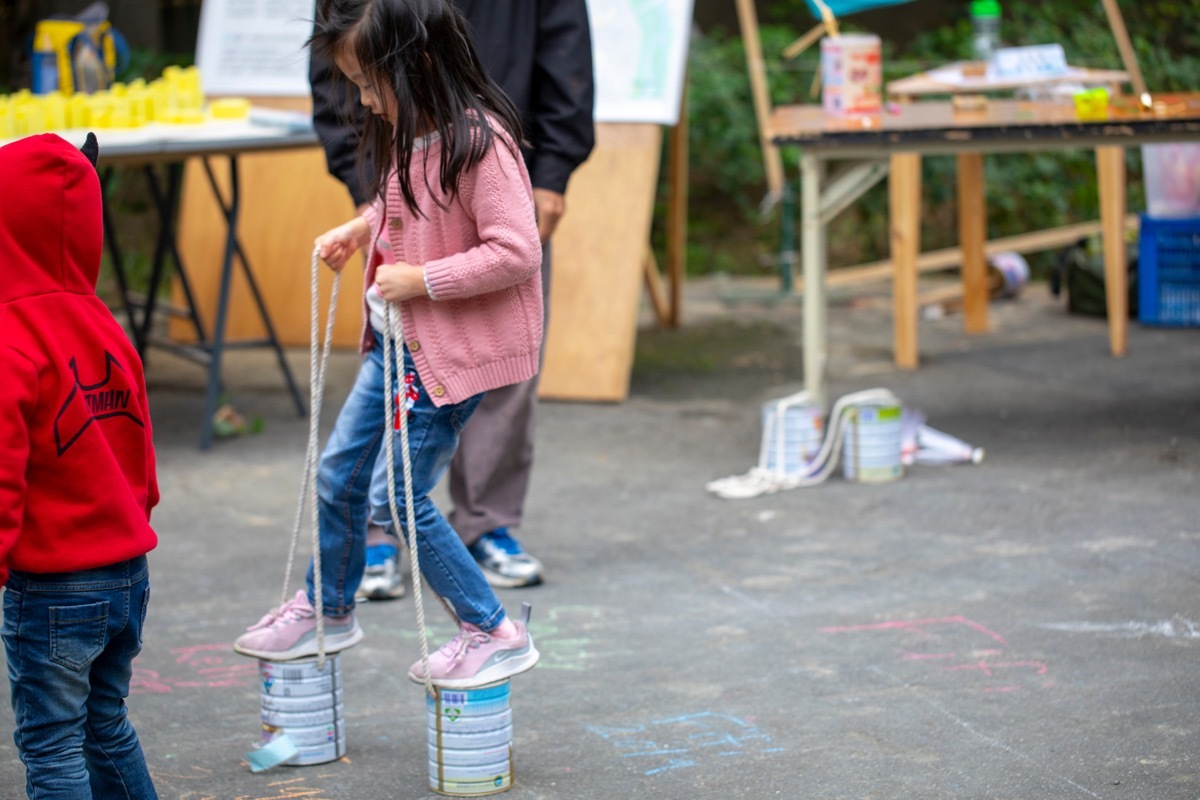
168,147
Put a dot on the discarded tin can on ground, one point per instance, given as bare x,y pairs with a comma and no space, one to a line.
871,448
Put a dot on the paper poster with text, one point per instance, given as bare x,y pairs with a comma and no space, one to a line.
254,47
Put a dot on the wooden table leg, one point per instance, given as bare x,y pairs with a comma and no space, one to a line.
972,234
1110,170
904,199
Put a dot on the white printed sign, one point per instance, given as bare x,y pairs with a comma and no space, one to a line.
254,47
1037,61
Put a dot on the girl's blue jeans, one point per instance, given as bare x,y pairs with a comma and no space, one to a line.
70,639
354,453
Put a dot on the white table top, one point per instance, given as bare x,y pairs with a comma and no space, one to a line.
951,79
164,142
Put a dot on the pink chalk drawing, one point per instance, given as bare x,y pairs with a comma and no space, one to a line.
971,659
918,626
206,666
989,669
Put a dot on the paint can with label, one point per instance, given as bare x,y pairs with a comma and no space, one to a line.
791,437
470,740
872,444
851,75
1010,273
305,703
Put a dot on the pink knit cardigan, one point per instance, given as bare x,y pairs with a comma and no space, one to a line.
482,327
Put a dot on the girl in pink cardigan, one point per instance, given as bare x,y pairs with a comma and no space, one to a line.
455,205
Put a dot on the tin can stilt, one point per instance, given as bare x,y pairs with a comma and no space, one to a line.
791,437
305,703
871,449
470,740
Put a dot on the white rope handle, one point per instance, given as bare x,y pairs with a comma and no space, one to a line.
399,418
318,370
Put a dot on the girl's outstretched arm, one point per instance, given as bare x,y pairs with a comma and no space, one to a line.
338,244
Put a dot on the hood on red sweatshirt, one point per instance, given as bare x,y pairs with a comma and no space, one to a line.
51,228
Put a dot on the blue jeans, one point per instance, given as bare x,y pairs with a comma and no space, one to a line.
71,638
355,451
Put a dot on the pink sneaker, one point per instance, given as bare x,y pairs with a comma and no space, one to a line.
474,658
290,631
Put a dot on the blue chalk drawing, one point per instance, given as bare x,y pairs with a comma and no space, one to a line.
676,742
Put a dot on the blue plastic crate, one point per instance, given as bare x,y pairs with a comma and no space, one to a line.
1169,272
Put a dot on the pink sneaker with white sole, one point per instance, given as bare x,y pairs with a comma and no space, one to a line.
290,631
475,658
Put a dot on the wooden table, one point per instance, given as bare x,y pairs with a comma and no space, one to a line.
894,142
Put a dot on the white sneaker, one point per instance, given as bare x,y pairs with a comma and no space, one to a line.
382,579
504,562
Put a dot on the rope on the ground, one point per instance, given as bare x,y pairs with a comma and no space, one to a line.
762,480
308,485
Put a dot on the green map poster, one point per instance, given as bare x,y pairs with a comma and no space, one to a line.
640,49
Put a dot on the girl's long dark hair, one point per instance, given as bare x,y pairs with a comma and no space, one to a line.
422,49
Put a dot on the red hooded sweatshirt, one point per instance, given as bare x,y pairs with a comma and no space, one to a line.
77,472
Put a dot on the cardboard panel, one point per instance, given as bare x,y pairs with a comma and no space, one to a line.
599,251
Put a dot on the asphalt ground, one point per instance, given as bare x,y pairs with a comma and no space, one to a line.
1025,628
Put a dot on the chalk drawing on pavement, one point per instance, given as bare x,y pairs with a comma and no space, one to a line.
671,743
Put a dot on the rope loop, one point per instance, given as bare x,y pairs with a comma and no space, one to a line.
318,364
399,419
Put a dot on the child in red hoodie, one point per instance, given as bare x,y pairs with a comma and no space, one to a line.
77,482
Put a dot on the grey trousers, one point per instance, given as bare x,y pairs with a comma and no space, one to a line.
489,476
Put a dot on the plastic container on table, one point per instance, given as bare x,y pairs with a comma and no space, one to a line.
985,28
1172,176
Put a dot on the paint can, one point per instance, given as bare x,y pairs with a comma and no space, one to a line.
305,703
470,740
851,75
1013,273
872,444
791,437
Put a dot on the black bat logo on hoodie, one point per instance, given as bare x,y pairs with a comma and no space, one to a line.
111,398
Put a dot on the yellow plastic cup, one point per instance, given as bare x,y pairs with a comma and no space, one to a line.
229,108
1092,104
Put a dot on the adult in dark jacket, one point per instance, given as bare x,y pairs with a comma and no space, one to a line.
540,52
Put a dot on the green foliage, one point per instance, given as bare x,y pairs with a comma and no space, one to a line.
1025,192
149,64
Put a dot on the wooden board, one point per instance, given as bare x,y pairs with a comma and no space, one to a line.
599,251
287,200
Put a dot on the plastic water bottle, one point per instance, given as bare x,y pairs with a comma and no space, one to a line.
985,28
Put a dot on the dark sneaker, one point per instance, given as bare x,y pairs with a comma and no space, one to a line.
382,579
503,561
